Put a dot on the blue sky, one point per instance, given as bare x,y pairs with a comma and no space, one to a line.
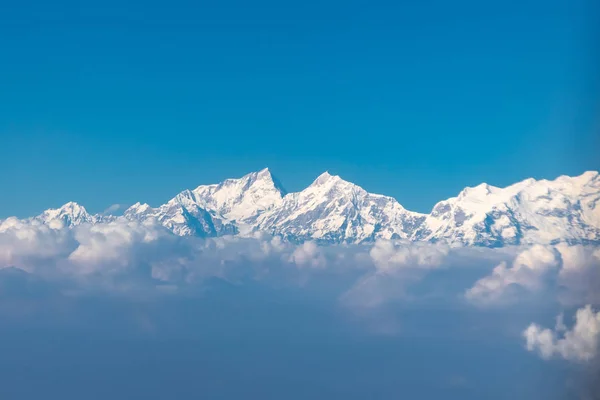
119,102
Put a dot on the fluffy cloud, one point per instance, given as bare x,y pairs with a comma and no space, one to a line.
29,245
308,254
146,254
570,272
126,253
389,256
580,343
378,283
113,246
579,276
527,271
395,266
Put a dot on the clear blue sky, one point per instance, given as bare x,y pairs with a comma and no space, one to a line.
121,101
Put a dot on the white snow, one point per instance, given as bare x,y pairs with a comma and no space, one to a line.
333,210
527,212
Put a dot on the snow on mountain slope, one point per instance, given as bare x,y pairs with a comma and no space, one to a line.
333,210
182,216
565,209
70,214
244,199
214,210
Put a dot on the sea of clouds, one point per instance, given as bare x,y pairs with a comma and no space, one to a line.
543,299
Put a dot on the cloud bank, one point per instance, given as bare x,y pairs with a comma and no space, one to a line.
375,279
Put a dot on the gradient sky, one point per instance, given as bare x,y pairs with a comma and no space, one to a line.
117,102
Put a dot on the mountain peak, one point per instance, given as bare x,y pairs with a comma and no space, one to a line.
137,208
264,175
325,178
71,205
264,172
70,208
68,214
528,181
479,191
332,210
589,175
242,199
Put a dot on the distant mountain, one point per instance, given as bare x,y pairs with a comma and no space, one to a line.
332,210
566,209
70,214
213,210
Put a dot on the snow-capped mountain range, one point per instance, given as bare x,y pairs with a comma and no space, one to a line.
332,210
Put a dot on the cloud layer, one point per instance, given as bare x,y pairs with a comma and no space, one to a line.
370,280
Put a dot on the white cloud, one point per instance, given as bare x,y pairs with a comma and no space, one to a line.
368,275
308,254
579,276
396,265
142,252
580,343
112,245
30,245
390,256
527,272
372,281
